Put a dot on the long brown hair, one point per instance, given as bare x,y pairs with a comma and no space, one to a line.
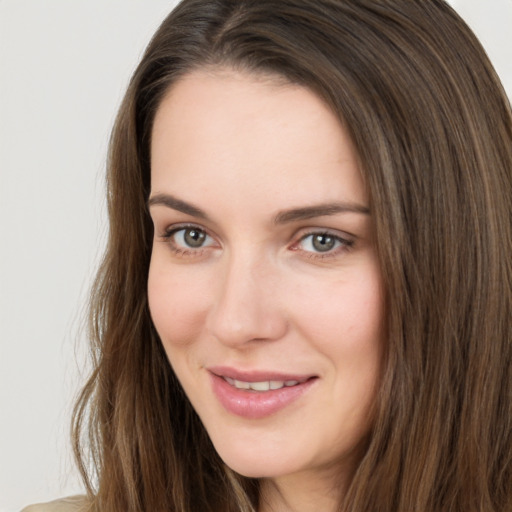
433,130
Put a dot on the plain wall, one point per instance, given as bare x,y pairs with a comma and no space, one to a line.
63,68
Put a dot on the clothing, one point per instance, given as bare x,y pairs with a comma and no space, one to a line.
71,504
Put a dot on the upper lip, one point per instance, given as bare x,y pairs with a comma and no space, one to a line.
257,375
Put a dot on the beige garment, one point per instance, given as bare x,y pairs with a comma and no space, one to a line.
71,504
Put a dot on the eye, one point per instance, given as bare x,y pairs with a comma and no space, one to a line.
319,242
189,237
323,243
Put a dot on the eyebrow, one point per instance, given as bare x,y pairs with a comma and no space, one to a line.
283,217
320,210
178,205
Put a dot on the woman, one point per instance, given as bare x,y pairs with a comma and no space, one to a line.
305,301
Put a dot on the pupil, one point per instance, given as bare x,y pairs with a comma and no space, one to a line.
323,243
194,237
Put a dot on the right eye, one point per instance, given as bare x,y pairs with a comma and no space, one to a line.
189,238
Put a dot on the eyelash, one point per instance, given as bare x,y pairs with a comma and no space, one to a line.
344,244
182,251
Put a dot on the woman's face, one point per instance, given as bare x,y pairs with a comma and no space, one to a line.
264,285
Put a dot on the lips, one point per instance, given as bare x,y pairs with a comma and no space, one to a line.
255,395
266,385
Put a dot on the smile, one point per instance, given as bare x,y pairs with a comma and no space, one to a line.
262,386
256,395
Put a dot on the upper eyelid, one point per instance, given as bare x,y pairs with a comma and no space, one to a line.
337,233
302,232
343,236
346,240
173,228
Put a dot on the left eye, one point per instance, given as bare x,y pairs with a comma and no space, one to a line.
191,238
322,242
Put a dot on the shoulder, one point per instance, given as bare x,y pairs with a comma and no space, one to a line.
71,504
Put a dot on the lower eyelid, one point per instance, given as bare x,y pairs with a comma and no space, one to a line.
335,253
178,251
182,252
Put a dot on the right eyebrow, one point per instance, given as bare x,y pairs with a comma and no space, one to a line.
176,204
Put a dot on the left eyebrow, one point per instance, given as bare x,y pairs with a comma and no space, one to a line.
321,210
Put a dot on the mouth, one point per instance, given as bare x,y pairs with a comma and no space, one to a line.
264,385
255,395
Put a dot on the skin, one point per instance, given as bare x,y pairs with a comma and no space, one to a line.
257,294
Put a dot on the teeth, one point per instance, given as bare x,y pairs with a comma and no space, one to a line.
242,385
260,386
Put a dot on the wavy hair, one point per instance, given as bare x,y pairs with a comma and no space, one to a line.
432,127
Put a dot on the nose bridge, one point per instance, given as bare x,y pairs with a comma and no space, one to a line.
245,306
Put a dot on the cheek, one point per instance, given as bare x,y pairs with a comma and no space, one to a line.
343,321
346,315
177,304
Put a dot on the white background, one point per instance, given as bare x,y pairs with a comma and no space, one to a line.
64,66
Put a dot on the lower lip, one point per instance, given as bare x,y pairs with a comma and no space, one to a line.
256,404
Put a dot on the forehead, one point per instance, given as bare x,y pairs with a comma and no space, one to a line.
217,129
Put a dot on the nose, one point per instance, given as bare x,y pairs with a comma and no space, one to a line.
246,307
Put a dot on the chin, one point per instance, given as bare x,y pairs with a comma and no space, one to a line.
259,461
257,469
